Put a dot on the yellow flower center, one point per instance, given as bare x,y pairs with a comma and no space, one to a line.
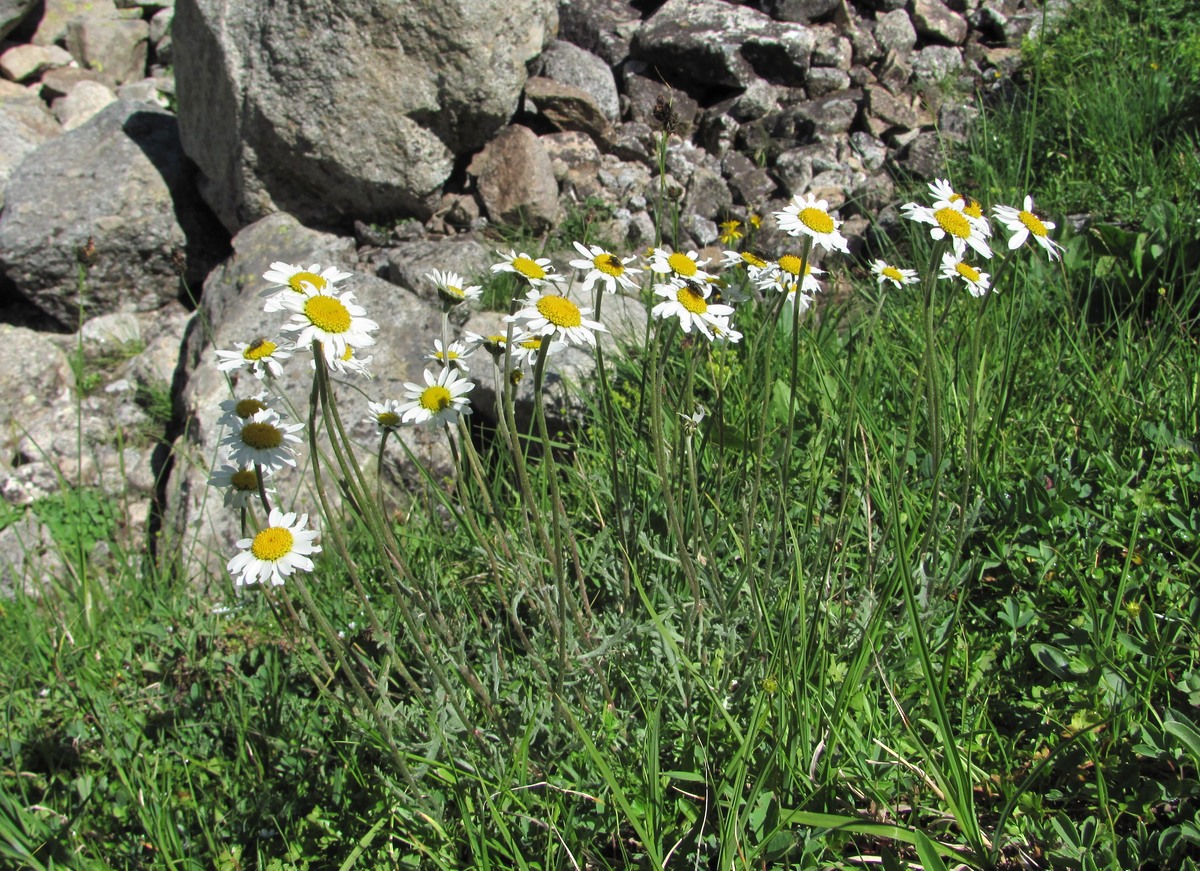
455,291
534,344
953,222
245,480
262,436
297,281
692,300
972,207
328,314
1030,220
436,398
258,349
272,544
790,264
528,268
348,354
681,264
248,408
893,273
970,273
609,264
816,220
560,311
388,419
753,259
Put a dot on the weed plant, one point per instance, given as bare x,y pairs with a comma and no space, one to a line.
907,580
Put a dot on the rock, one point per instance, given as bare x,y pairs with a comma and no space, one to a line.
143,91
936,21
60,82
894,31
884,111
12,13
937,63
122,181
831,49
31,562
922,157
579,68
21,63
871,151
829,115
408,263
516,180
85,100
750,184
113,48
798,10
707,196
565,107
956,122
56,14
196,523
427,81
633,140
160,24
823,81
603,27
710,42
119,328
24,125
644,94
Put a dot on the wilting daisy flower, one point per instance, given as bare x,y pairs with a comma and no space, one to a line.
333,320
548,314
451,288
493,344
385,415
730,231
1023,223
686,300
236,412
746,259
949,221
280,549
441,400
786,270
260,356
527,347
809,216
723,333
263,439
683,264
240,484
953,267
296,277
605,268
347,364
944,194
536,272
898,277
455,355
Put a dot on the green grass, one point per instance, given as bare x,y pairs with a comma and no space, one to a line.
693,646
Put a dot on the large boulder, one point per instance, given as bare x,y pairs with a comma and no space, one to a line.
24,125
335,110
121,181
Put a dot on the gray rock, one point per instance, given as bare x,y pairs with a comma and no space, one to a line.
160,24
565,107
922,157
798,10
60,82
644,94
575,66
885,111
143,91
871,195
24,62
936,21
83,102
956,122
894,31
937,63
701,229
12,13
823,81
409,263
115,49
715,43
833,114
24,125
337,110
31,562
871,151
707,196
831,49
118,328
633,140
750,184
603,27
122,181
516,180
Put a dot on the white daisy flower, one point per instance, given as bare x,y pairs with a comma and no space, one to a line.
276,552
944,195
948,220
786,270
240,485
953,267
685,300
526,348
1024,223
333,320
451,288
684,264
296,277
723,333
897,276
809,216
605,268
493,344
455,355
385,415
347,364
263,439
441,400
237,411
261,356
536,272
548,314
747,260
